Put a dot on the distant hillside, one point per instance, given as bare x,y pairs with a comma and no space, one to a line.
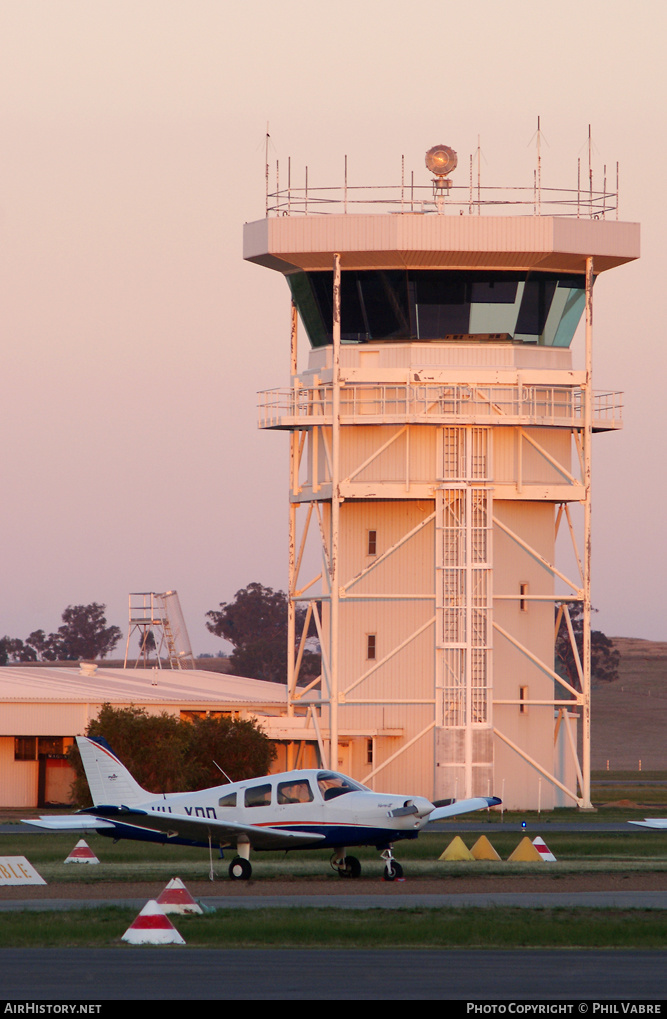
629,717
208,664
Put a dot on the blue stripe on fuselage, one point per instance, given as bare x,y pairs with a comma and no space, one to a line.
334,835
337,835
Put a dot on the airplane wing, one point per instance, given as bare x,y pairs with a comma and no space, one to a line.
180,826
463,807
226,832
651,822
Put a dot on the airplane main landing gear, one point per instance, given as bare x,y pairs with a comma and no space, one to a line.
346,866
393,870
240,869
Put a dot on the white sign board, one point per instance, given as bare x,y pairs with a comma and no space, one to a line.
15,870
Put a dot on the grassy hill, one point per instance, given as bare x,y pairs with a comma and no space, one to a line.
629,716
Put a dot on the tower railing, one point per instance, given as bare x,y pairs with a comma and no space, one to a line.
409,198
545,406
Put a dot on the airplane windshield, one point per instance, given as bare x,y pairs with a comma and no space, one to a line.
331,784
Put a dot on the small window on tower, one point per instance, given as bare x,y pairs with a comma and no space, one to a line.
372,542
369,751
371,647
523,600
523,699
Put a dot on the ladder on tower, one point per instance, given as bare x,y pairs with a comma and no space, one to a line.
175,659
463,611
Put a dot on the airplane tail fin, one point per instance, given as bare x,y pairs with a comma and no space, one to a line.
110,782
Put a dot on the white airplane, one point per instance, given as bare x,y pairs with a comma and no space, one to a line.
314,809
651,822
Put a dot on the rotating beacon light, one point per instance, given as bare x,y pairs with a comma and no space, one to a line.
441,161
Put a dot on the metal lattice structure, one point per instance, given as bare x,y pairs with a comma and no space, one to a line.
435,467
158,614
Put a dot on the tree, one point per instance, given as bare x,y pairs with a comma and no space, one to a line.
34,649
604,656
8,647
239,747
152,747
255,623
84,634
41,646
147,645
37,647
169,754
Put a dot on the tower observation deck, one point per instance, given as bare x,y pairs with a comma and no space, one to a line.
440,442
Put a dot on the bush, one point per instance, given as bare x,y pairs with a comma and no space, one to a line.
167,754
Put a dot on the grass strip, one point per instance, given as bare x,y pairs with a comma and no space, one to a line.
635,844
328,928
637,850
310,871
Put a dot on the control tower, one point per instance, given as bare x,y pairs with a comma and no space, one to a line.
440,444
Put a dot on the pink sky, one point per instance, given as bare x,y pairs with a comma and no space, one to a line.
134,336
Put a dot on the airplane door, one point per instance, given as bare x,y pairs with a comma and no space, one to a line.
294,797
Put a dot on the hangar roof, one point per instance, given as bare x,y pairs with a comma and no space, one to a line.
155,687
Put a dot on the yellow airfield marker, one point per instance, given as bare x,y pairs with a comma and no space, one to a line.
525,852
483,850
456,850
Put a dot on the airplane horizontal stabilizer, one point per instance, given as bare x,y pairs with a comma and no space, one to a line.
651,822
464,807
68,823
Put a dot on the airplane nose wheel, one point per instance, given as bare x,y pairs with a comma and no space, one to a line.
393,870
240,869
346,866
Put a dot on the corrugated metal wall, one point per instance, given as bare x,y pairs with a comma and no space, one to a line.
18,779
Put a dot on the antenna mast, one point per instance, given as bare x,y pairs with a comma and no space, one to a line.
266,166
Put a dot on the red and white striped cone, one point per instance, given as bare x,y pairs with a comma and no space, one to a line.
544,850
152,927
177,899
82,853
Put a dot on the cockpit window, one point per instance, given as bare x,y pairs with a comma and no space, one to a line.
331,784
258,796
295,792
